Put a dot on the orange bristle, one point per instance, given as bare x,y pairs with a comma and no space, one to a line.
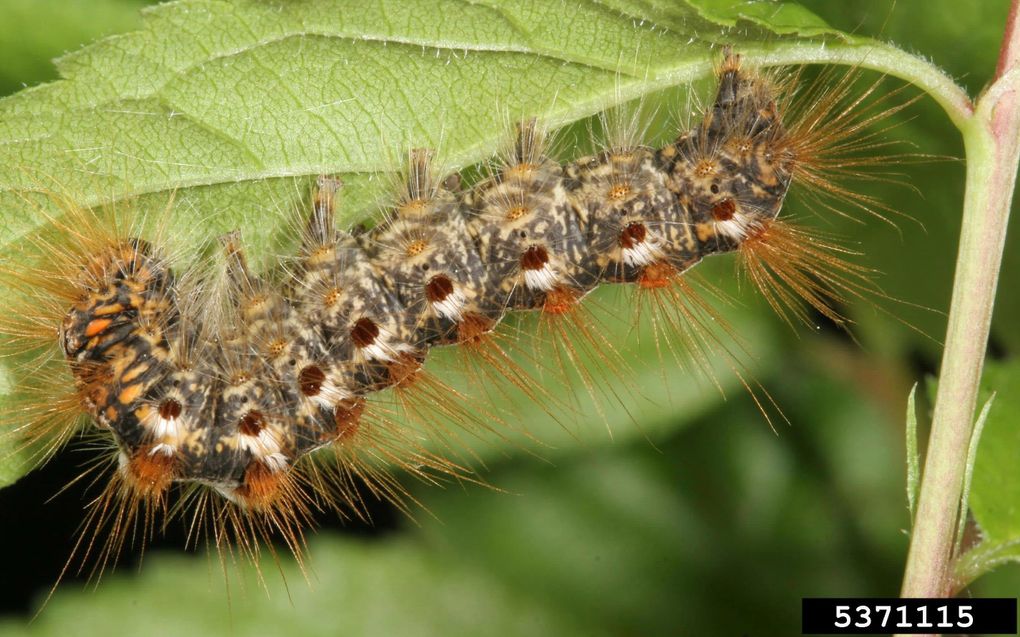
792,265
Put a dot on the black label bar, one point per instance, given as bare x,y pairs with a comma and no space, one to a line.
882,616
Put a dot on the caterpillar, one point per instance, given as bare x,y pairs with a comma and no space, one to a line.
216,390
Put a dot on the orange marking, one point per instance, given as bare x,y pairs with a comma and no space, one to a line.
261,487
516,213
103,310
277,347
619,192
347,416
705,168
134,373
331,297
150,474
559,300
656,275
130,394
473,328
97,327
416,247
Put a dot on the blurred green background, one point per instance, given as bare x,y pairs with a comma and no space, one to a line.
702,521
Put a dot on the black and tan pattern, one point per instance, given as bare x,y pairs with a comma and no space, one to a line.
289,368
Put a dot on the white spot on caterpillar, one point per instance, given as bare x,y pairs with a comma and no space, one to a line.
543,279
451,306
163,427
168,431
262,445
382,350
642,254
738,227
330,394
275,462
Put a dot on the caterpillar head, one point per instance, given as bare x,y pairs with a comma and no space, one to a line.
123,280
732,171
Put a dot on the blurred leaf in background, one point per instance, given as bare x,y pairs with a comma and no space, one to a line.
33,32
711,525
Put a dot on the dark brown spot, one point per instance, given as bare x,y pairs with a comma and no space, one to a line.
632,235
534,258
438,288
310,380
714,188
252,423
169,409
724,210
364,332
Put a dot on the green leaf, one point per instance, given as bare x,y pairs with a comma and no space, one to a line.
619,536
220,101
995,485
968,475
628,540
357,588
232,107
32,32
913,455
778,18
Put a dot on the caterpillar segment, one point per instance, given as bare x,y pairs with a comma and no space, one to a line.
286,369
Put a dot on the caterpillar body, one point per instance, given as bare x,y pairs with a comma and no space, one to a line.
225,389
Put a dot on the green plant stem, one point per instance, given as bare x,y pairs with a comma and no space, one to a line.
992,142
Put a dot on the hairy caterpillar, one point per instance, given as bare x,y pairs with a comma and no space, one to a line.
226,393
